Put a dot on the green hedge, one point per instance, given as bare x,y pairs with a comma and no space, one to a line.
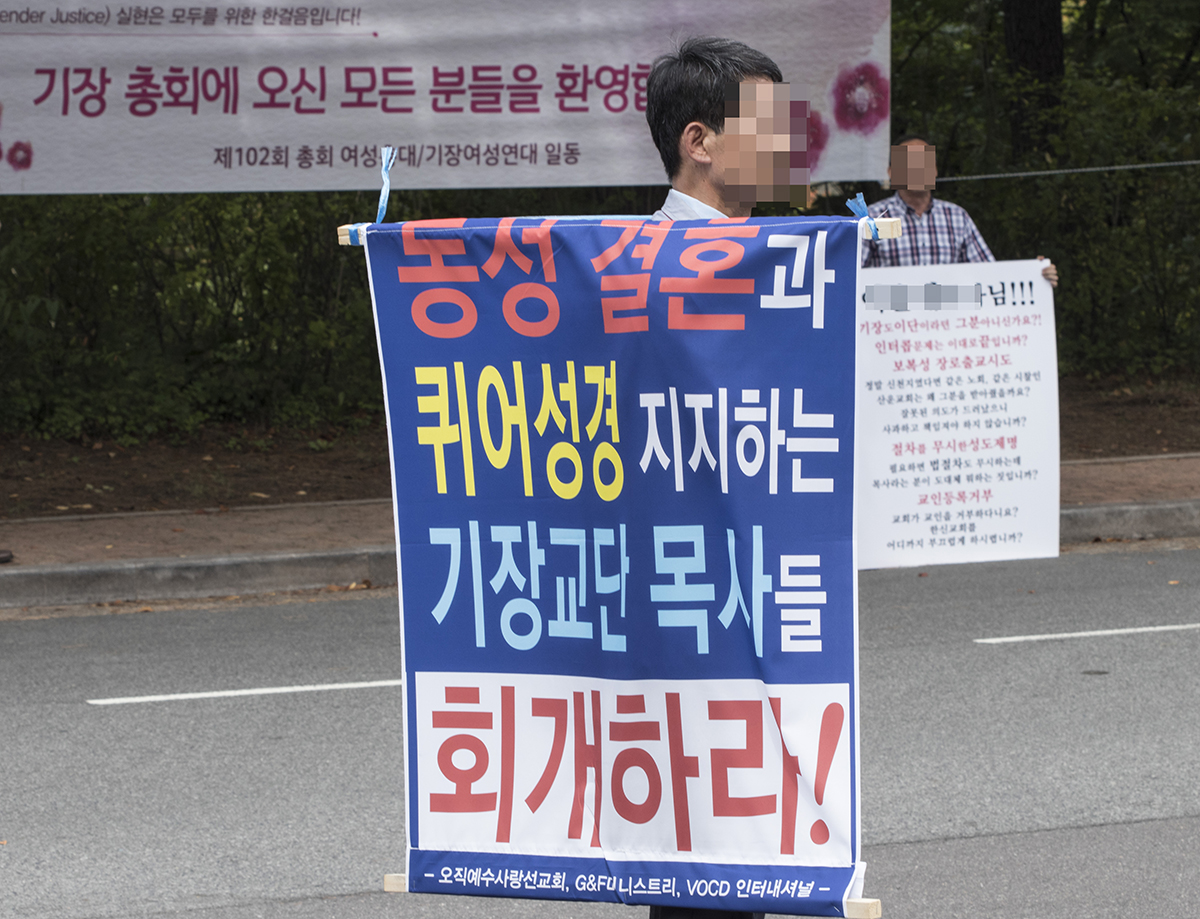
133,316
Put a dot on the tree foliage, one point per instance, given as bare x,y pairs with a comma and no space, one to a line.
1124,241
130,315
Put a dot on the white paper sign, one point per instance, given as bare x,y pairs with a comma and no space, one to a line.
957,415
526,93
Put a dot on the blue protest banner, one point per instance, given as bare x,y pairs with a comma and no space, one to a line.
623,468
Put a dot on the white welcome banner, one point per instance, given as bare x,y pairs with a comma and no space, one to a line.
957,415
526,93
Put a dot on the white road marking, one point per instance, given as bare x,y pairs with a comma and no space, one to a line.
230,693
1099,633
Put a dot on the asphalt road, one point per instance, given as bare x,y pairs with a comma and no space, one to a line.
1023,779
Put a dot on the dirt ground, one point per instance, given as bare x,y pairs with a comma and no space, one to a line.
221,467
1128,419
239,467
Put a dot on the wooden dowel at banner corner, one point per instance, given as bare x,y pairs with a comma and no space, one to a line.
351,234
888,227
860,908
398,883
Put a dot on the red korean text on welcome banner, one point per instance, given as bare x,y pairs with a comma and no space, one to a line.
482,89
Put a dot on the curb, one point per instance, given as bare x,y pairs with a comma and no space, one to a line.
215,511
175,578
165,578
1129,521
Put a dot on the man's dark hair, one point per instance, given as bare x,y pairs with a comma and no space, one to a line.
690,85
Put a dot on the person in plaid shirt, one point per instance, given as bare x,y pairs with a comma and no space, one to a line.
935,232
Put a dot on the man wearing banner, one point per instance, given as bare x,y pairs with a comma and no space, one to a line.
936,232
722,712
686,95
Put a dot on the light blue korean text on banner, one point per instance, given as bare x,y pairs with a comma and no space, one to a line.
623,467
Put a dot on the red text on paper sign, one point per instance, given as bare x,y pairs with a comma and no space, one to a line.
947,498
902,326
998,322
935,345
712,768
966,445
966,362
875,327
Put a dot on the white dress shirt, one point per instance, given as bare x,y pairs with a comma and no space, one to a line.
679,206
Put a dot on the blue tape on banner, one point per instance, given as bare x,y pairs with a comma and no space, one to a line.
387,160
858,206
358,234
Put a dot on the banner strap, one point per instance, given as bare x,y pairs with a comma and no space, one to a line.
387,157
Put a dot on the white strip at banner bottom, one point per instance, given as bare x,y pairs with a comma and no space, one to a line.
727,771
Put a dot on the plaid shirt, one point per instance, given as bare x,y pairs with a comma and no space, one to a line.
945,233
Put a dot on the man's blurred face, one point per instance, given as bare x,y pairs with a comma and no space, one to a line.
914,166
765,144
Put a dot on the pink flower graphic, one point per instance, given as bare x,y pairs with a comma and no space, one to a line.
818,137
806,152
860,98
20,155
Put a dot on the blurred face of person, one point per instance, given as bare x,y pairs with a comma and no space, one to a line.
753,157
914,166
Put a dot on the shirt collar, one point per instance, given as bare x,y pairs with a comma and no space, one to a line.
689,208
933,202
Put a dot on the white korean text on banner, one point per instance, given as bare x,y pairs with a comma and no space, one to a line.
623,459
957,414
526,93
